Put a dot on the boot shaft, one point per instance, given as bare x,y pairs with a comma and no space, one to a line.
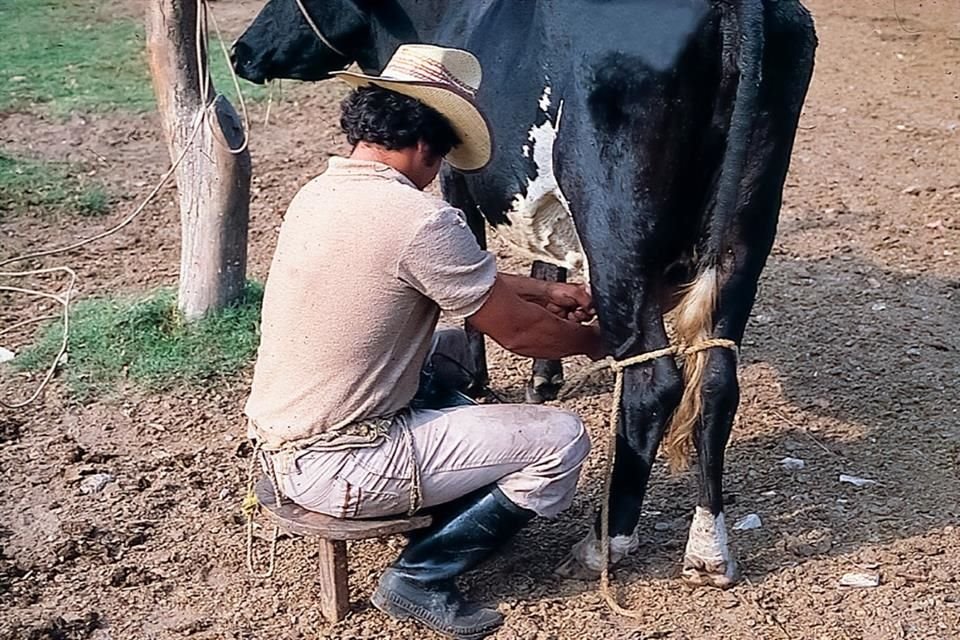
463,534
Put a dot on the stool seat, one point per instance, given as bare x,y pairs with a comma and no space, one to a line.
332,534
295,519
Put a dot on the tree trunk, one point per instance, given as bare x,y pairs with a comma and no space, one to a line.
213,183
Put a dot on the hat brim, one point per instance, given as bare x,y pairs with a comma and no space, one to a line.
475,148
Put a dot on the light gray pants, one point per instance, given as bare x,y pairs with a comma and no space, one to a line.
533,453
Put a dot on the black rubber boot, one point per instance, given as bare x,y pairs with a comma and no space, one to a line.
420,584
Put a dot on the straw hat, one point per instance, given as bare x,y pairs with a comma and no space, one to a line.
446,80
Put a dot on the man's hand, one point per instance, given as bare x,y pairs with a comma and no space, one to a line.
569,301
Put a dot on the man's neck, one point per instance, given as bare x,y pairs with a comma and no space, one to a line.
402,159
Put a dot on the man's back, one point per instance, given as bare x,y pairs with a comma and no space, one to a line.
364,231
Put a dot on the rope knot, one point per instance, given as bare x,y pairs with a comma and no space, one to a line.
250,504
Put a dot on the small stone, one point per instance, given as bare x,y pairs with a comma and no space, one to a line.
792,464
661,526
878,306
747,522
18,79
940,574
95,483
855,481
6,355
860,580
78,472
912,190
225,493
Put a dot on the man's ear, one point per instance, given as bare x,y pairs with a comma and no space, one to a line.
426,154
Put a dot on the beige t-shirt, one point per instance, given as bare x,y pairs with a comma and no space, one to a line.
364,264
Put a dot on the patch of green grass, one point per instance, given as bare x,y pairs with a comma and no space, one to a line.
47,186
73,55
146,342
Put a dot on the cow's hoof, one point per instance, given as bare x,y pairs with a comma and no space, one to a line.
541,389
698,572
572,569
707,560
586,558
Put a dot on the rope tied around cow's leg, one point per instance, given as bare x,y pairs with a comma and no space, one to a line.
619,367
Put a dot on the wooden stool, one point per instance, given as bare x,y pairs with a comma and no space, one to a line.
333,534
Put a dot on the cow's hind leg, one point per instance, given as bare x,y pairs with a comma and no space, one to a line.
547,376
788,64
651,392
628,161
707,559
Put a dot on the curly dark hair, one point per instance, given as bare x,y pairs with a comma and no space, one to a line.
380,116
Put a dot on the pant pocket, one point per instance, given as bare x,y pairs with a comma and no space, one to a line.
376,495
340,485
344,499
333,497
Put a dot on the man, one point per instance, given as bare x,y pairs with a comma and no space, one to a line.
365,263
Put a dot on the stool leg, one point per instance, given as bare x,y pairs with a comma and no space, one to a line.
334,593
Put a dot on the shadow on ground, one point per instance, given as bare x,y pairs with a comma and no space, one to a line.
866,361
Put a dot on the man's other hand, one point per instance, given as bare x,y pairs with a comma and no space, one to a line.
569,301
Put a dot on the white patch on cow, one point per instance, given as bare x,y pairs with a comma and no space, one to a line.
707,558
540,223
545,99
589,554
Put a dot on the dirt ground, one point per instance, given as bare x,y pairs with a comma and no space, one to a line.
850,363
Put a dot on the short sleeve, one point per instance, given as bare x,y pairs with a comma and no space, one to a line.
444,262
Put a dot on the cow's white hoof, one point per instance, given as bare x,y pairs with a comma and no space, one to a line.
707,561
572,569
585,559
703,572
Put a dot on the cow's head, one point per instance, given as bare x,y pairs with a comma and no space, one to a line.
281,43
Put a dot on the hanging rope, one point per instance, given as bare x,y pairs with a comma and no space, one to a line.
61,298
618,367
204,116
250,507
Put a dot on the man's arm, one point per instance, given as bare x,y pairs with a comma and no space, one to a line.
528,329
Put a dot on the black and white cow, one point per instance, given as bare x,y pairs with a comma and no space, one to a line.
645,142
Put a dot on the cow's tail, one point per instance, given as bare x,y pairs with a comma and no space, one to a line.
694,316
